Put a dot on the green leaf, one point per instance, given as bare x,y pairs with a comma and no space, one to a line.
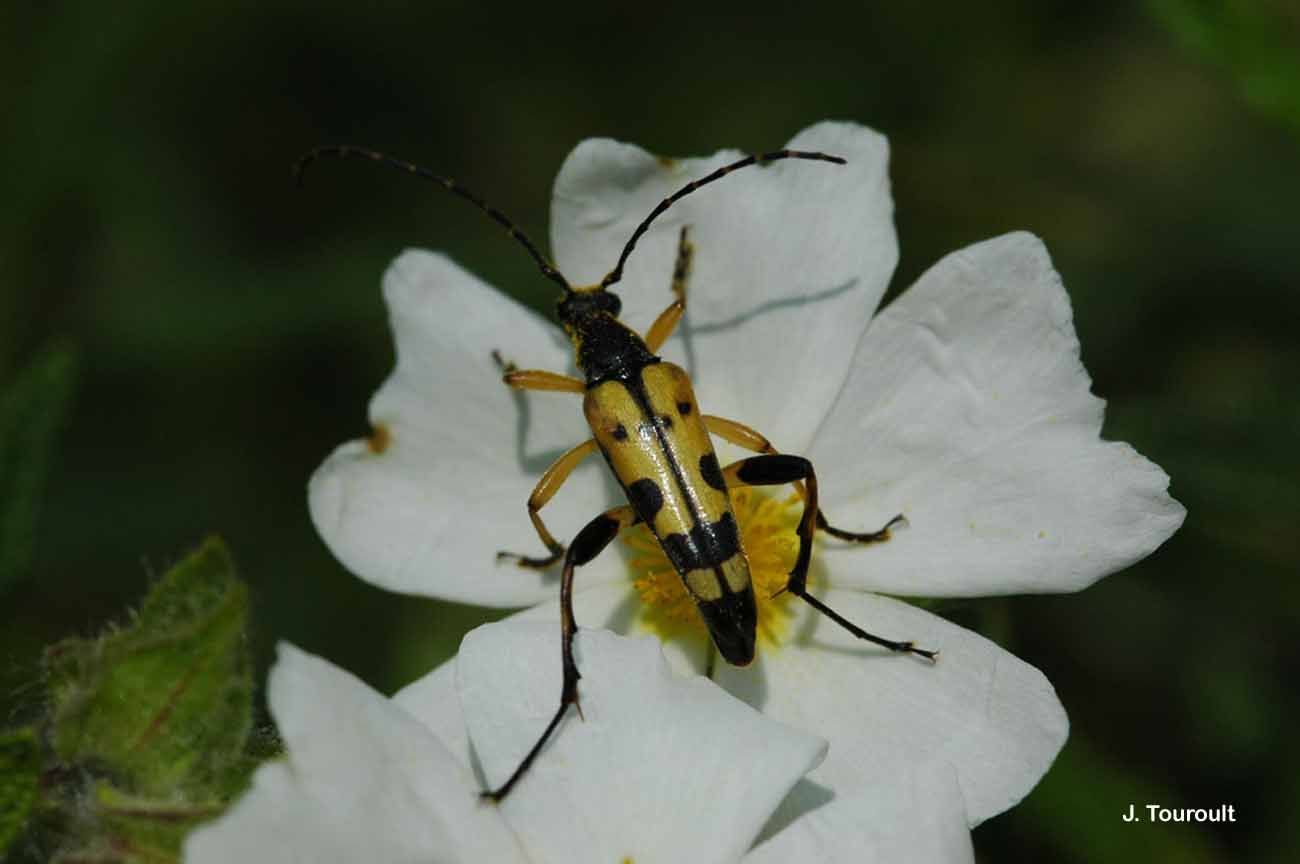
20,768
31,412
133,830
163,705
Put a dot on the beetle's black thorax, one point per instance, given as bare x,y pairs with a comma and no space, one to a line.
607,349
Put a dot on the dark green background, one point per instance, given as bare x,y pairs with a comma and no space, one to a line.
230,329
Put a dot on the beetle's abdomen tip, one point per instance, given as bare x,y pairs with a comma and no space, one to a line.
736,653
733,623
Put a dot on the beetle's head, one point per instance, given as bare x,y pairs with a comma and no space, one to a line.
583,304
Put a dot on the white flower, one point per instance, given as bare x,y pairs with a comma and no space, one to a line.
963,405
668,769
362,781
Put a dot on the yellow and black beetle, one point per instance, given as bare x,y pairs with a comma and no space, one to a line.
645,422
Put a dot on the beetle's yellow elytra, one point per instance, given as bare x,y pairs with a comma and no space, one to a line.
768,525
657,446
652,434
653,437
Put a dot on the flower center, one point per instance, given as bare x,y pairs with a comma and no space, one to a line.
767,534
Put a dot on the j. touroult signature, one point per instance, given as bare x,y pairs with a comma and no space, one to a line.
1160,813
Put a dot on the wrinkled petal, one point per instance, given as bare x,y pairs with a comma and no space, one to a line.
460,451
362,781
969,411
791,259
433,701
612,605
990,715
616,606
659,768
914,816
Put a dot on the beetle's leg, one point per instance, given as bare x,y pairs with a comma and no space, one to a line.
536,379
666,323
553,479
878,536
774,470
747,437
738,434
540,379
546,488
743,436
589,543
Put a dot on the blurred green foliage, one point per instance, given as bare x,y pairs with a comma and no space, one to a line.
1083,788
231,330
20,769
1258,42
32,408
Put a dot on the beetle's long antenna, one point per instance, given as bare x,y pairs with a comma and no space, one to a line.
760,159
345,151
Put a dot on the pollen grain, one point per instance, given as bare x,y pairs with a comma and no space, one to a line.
379,439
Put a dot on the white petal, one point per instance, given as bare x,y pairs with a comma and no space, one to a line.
616,606
433,701
790,261
993,717
913,817
428,514
969,411
612,605
662,769
362,781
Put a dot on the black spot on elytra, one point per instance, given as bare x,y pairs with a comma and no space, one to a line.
705,546
711,473
646,498
666,421
620,432
684,408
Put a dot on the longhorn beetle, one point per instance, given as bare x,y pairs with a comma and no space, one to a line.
645,421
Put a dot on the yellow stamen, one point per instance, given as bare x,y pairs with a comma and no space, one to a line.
767,534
